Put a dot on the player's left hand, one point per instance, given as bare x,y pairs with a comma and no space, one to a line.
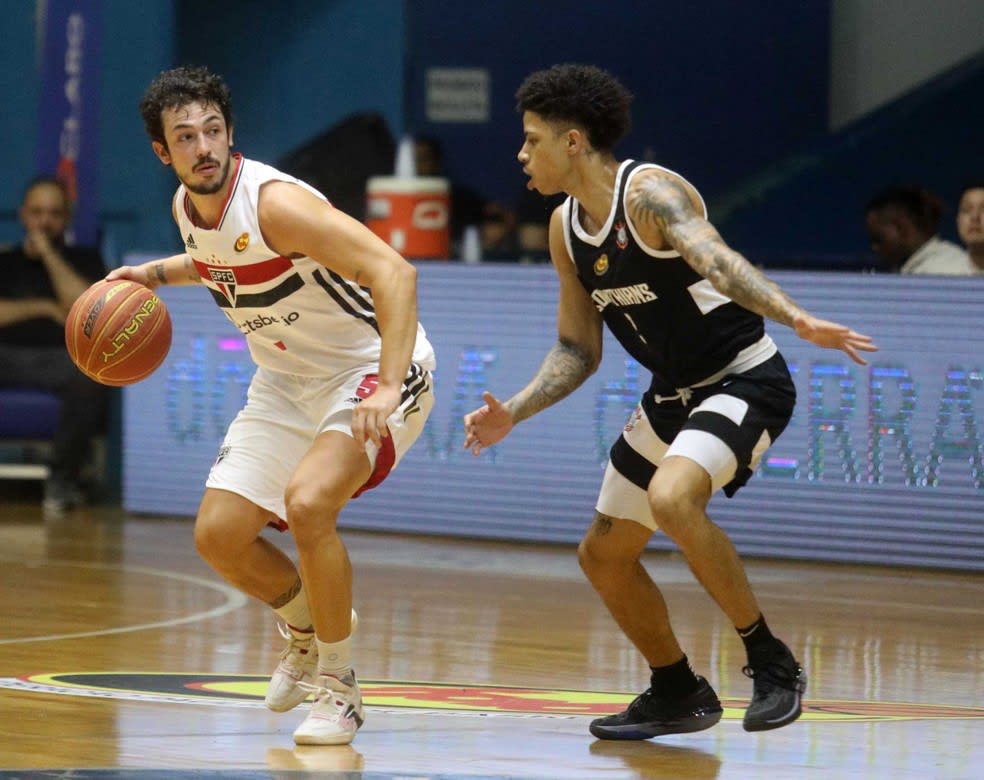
833,335
369,417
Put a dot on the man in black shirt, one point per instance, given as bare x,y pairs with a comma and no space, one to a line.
634,251
42,278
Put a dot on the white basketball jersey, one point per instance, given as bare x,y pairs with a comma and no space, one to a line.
298,316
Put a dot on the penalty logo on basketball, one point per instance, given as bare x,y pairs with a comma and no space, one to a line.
128,331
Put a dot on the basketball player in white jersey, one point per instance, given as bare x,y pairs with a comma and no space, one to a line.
341,391
633,250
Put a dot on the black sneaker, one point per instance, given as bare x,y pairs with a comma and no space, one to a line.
651,716
779,685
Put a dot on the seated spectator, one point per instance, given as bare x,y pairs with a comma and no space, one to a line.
970,223
496,223
42,279
533,222
903,226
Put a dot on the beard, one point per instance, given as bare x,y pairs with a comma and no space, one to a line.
210,188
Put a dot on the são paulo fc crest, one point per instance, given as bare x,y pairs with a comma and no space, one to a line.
601,265
225,280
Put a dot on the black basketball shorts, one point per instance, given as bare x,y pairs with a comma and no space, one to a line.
724,427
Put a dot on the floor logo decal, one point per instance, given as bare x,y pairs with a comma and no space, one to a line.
249,690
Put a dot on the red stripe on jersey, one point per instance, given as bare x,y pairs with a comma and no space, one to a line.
254,273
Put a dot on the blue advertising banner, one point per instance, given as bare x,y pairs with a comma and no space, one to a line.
880,464
70,39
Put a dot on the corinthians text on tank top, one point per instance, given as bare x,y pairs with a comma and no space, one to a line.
665,314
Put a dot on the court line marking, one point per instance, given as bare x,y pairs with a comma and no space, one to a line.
234,600
25,686
444,698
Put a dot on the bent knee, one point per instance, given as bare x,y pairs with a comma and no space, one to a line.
675,512
218,536
226,524
311,512
611,544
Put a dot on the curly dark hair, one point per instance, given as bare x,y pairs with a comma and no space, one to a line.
179,87
583,95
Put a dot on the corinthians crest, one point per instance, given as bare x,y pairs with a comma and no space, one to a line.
621,235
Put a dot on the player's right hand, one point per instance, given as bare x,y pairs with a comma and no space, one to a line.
135,273
487,425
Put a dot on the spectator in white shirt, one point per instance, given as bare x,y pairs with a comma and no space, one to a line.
903,227
970,223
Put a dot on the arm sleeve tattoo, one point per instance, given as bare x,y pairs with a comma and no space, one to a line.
563,370
662,204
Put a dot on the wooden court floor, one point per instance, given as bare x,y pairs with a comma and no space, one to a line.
123,656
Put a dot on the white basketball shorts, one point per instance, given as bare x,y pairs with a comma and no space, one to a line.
284,413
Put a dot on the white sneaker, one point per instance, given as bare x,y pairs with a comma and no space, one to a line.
298,664
335,715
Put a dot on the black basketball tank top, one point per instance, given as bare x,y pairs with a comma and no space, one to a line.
665,314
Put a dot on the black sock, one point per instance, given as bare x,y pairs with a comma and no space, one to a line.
758,639
673,681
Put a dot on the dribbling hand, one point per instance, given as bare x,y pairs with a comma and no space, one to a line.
134,273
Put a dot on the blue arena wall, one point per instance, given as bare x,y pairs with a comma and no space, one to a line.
714,94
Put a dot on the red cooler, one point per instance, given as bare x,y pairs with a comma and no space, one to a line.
411,214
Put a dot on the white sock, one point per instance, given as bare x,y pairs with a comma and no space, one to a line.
296,615
335,658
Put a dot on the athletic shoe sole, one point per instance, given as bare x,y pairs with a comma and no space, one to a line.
658,728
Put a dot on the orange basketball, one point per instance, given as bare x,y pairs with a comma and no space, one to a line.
118,332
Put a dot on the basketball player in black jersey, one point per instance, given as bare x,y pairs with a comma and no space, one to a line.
633,250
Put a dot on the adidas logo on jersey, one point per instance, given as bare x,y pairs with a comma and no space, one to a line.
190,242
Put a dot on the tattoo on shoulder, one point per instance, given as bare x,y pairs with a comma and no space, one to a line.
663,204
656,202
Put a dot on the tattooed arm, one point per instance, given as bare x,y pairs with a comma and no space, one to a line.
568,364
661,206
177,269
